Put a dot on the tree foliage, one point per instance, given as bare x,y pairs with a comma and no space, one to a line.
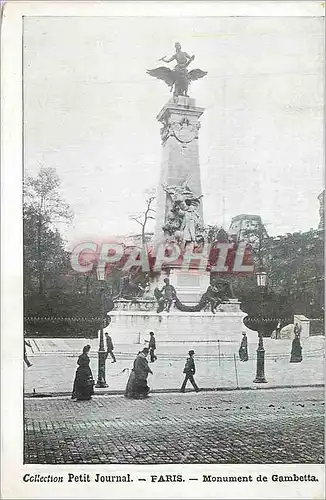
294,264
295,285
43,208
296,268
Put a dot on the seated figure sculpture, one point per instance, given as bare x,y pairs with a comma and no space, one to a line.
165,297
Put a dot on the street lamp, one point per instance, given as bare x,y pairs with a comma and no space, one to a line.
101,351
261,279
260,371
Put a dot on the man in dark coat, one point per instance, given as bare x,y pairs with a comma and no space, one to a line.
109,347
152,347
189,371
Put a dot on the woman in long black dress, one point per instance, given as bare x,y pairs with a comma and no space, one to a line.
243,351
296,351
137,383
84,382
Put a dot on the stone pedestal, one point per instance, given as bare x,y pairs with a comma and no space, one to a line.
190,285
132,322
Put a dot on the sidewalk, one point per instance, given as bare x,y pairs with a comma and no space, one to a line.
53,371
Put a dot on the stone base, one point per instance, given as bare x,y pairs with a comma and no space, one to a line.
130,325
304,323
190,285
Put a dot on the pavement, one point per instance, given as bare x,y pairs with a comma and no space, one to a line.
237,427
217,364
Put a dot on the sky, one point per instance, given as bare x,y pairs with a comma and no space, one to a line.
90,112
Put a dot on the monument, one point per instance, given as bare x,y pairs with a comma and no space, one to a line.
183,304
179,216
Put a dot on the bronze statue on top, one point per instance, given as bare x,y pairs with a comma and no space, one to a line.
179,77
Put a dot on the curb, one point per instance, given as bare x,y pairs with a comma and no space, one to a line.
108,392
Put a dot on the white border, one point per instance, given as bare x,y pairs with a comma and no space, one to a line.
254,8
11,267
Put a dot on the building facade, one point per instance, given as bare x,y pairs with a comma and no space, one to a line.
243,226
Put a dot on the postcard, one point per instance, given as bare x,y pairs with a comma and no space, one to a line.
162,250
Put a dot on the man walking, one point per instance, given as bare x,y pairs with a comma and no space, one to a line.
189,371
152,347
109,347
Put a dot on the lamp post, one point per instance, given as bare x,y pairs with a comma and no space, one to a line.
260,370
101,351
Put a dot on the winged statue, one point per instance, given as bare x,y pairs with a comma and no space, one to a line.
179,77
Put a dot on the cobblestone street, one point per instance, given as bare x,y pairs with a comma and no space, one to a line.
254,426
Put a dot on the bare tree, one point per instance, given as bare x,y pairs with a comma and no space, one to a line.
143,218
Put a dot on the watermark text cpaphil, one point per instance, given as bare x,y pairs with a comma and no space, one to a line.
220,257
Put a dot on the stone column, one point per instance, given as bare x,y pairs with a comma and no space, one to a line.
180,155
